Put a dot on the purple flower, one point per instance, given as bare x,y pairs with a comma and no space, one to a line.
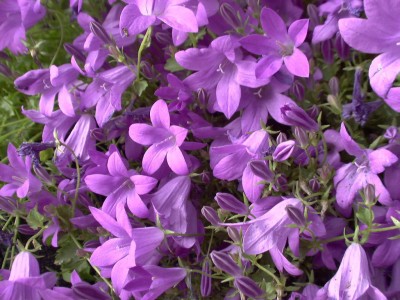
353,279
17,16
128,248
279,46
25,281
149,282
138,15
351,178
121,185
220,66
334,10
18,175
165,140
378,35
284,150
295,116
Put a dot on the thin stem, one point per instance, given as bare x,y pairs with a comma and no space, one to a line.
7,223
3,265
34,237
60,44
204,274
268,272
141,48
94,267
14,241
351,235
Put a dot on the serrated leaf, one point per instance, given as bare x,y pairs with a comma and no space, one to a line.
66,252
35,219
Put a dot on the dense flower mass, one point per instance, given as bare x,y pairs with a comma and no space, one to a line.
199,149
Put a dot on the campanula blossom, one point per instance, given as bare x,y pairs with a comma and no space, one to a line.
279,46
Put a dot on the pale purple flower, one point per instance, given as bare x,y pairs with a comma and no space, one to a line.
17,175
138,15
128,248
16,17
353,278
121,185
25,280
149,282
351,178
280,46
379,34
164,140
220,66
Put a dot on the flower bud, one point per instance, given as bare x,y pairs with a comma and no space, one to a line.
230,203
234,234
334,86
295,215
248,287
5,70
284,150
301,137
391,133
281,138
341,47
230,15
298,90
314,185
295,116
327,51
312,11
211,215
24,265
260,169
99,31
8,204
42,174
205,284
97,134
334,102
224,262
369,193
71,49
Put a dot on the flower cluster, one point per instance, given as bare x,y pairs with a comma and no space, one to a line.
204,148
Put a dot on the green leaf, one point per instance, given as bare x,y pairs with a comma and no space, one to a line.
140,86
172,65
365,215
66,252
35,219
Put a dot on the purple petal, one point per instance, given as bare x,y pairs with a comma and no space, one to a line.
143,184
298,31
159,114
383,71
273,25
65,102
154,157
110,252
102,184
349,144
198,59
380,159
180,18
107,222
176,161
228,93
133,21
144,134
268,66
116,166
297,63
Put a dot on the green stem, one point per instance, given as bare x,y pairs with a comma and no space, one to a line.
14,241
351,235
34,237
7,223
268,272
60,44
94,267
204,274
141,48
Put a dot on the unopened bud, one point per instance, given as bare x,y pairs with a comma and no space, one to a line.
312,11
248,287
230,15
234,234
334,86
205,284
42,174
295,215
211,215
281,138
301,137
260,169
369,193
284,150
99,31
71,49
341,47
327,51
314,185
225,262
230,203
295,116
